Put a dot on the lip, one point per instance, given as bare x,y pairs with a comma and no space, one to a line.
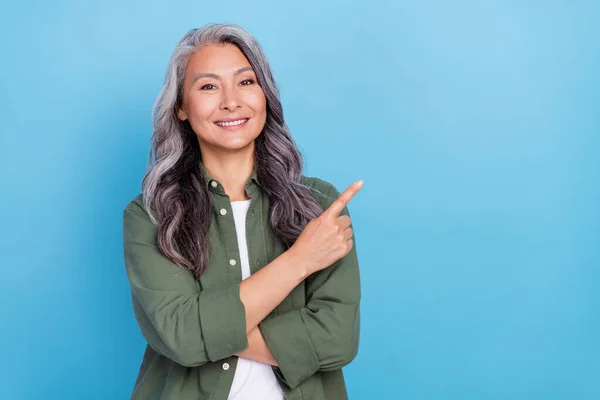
232,119
233,127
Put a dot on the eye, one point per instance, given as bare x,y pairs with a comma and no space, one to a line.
248,80
208,84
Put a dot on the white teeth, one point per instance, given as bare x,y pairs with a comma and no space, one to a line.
232,123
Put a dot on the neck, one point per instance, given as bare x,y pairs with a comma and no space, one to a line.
232,171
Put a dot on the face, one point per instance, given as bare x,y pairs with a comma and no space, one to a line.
221,87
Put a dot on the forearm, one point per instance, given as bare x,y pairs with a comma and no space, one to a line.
264,290
257,348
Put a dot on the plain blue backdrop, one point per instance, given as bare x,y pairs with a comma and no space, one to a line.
474,124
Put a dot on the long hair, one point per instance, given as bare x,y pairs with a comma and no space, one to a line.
174,191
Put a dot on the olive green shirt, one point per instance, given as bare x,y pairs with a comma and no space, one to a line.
194,327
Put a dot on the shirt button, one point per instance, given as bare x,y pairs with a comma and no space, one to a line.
225,366
214,184
223,211
232,262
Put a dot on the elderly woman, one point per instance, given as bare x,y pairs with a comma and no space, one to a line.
243,272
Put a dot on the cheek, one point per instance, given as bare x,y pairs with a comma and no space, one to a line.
257,101
202,107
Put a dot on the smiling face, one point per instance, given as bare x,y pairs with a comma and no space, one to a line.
220,90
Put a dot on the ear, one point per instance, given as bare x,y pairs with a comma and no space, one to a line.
181,114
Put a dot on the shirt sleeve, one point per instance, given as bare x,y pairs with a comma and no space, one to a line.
324,334
180,321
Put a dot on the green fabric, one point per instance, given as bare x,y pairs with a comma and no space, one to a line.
193,327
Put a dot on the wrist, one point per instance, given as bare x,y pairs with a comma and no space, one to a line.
296,263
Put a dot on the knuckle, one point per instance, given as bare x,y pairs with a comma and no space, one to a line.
332,230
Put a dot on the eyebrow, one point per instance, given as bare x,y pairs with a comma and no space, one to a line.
215,76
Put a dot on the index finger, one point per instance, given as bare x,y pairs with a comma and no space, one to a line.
344,198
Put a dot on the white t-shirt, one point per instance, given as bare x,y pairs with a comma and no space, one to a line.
253,380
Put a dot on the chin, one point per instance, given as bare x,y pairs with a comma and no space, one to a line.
236,144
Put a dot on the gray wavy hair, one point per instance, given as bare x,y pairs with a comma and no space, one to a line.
174,192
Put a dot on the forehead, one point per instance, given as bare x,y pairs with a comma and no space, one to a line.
221,59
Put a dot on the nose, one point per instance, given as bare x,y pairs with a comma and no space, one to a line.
230,100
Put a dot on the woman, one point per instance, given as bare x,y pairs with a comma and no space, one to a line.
243,272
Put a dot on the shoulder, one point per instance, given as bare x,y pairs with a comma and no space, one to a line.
136,215
135,205
137,224
323,191
318,185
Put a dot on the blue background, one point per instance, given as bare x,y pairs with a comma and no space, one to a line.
474,124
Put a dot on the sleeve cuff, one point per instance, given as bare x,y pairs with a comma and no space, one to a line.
289,343
223,321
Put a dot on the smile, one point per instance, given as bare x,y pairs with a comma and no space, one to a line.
232,123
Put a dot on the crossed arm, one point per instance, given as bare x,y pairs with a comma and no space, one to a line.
193,328
257,348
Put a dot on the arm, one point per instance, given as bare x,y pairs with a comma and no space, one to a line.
257,349
188,325
264,290
323,335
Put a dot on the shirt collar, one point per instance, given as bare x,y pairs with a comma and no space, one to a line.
218,187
